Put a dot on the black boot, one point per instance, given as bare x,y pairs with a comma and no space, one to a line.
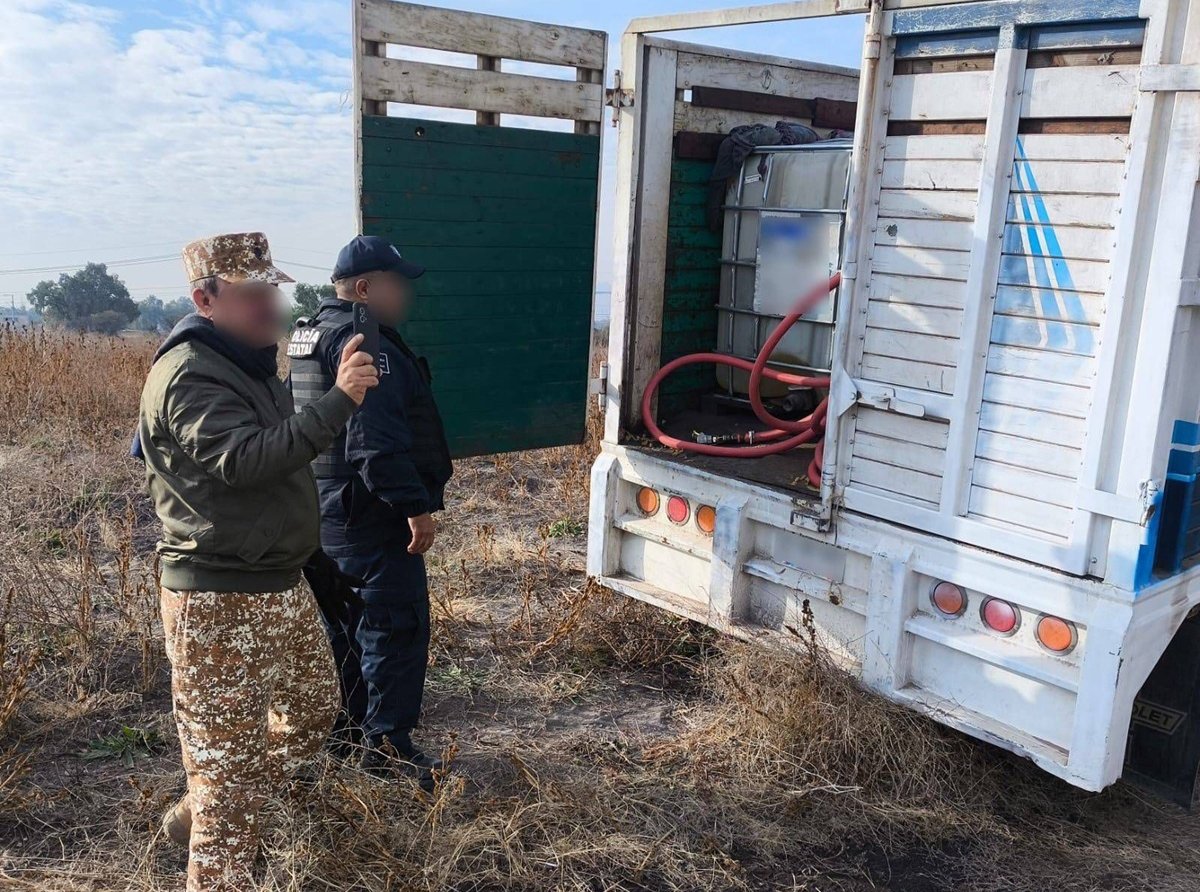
383,758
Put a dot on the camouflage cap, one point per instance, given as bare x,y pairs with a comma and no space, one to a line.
235,257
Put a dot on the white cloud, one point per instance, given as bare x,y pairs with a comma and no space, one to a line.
112,138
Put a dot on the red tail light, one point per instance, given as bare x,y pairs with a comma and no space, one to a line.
678,510
948,598
1000,616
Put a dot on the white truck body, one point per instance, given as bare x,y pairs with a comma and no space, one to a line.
1015,345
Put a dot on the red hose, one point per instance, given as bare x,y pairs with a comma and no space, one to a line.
805,430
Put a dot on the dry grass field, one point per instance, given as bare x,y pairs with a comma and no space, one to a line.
596,744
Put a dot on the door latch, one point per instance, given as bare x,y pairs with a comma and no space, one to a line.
884,398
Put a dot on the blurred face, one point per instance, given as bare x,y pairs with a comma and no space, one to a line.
251,312
388,294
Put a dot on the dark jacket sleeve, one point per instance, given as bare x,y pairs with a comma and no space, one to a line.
379,443
221,432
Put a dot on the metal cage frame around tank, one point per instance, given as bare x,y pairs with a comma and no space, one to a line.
726,344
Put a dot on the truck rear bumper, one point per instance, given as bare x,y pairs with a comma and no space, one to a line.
866,586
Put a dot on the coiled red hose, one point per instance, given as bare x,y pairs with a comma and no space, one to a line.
782,435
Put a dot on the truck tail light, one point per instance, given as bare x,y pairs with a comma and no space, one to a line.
1000,616
706,519
1056,635
647,501
948,598
678,510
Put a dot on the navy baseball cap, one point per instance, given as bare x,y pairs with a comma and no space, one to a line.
370,254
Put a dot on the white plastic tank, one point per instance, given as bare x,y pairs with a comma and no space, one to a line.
784,222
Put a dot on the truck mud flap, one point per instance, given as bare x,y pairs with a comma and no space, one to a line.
1164,731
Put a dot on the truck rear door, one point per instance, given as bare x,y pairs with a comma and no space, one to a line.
477,142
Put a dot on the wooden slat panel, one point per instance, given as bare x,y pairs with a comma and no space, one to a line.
960,95
921,262
721,120
925,431
578,163
1061,430
762,104
408,24
733,73
1074,242
925,487
1023,482
1082,177
1050,458
1059,337
918,292
952,235
1096,92
911,347
926,174
969,148
1020,512
908,373
1042,303
928,205
1075,146
1041,365
1045,396
424,83
906,456
1069,210
921,320
1071,275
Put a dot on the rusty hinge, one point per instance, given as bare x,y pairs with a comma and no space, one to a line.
617,98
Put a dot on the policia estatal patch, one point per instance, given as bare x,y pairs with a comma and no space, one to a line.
303,343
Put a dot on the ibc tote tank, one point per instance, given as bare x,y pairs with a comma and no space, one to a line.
784,221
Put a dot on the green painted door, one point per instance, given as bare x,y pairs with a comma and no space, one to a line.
504,220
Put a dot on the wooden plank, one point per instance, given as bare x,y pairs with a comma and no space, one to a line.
931,175
918,320
752,101
1060,306
1025,513
779,77
1074,126
425,83
381,127
928,204
1059,337
905,428
1058,242
1068,177
419,233
908,373
925,487
465,208
1093,56
899,454
720,120
960,95
1107,91
431,183
1048,488
935,128
944,63
410,24
967,147
1044,396
908,346
1049,458
1075,146
951,235
1068,210
691,145
1041,365
1066,275
834,113
497,160
1042,427
921,262
917,292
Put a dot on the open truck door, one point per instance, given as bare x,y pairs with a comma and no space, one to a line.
502,216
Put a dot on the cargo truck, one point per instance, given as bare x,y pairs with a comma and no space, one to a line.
990,511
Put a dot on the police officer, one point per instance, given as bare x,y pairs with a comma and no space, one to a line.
379,483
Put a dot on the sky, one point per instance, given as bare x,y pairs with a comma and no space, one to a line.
130,127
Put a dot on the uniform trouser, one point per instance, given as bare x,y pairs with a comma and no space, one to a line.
255,694
382,648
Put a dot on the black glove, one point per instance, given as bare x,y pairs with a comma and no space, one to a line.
334,590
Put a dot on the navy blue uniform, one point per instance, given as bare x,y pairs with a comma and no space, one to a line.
391,464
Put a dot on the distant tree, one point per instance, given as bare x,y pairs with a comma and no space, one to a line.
92,299
308,297
176,309
156,316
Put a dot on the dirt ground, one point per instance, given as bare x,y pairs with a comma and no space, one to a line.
595,743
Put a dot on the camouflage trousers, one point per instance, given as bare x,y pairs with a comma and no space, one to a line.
255,693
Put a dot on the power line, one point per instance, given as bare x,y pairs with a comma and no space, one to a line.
136,261
81,250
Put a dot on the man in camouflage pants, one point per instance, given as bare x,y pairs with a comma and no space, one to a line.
227,464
